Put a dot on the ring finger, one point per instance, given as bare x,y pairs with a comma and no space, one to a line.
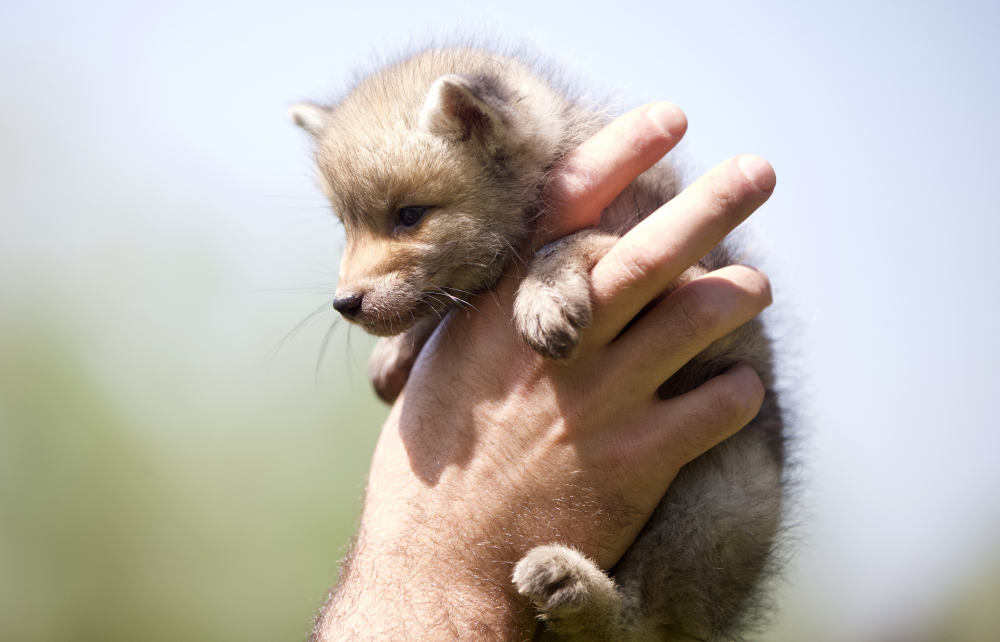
686,322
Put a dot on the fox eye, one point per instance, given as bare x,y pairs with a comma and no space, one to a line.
409,216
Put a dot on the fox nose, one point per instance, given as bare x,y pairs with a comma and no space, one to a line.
349,306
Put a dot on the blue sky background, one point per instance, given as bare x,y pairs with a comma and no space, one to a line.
162,233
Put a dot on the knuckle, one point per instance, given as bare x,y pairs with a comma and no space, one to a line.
696,442
573,184
729,403
737,399
696,316
641,133
727,201
637,263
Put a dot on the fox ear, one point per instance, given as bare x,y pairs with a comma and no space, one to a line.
312,118
456,110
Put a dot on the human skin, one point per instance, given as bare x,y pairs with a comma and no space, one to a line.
492,450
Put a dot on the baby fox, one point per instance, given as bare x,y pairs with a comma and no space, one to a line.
436,166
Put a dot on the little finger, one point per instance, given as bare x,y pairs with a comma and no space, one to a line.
680,429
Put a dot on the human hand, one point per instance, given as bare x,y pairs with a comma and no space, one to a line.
492,450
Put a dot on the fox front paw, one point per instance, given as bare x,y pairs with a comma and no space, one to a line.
551,313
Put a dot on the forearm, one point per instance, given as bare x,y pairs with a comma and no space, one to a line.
417,588
428,564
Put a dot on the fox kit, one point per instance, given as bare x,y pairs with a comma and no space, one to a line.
436,165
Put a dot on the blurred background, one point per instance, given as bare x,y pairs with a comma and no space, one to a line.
174,466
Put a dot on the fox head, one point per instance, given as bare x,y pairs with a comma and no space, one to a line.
436,178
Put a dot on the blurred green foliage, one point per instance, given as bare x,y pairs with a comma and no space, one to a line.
109,532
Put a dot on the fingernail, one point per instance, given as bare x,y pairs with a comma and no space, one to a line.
669,118
758,171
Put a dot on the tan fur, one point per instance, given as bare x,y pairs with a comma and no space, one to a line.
381,150
470,138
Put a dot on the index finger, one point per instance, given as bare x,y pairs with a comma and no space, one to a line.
592,175
656,251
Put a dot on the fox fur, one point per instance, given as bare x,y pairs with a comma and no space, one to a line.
436,165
